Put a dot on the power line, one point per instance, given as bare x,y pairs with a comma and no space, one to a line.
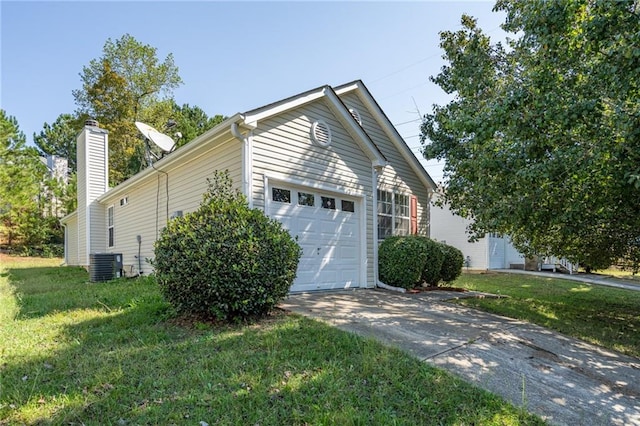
404,90
406,67
407,122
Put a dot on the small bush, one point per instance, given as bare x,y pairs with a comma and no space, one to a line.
409,261
225,260
452,263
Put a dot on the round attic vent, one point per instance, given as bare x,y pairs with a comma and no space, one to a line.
356,115
321,133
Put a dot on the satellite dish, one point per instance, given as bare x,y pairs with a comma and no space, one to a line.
162,141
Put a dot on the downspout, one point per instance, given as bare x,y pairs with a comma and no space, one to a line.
247,161
374,177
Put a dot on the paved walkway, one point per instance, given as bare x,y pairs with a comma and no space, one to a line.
563,380
605,280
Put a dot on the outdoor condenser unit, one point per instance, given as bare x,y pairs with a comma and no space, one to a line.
105,266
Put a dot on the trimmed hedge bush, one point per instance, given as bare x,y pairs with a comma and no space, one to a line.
413,260
225,260
452,263
401,261
435,257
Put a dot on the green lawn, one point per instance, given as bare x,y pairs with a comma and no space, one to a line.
605,316
79,353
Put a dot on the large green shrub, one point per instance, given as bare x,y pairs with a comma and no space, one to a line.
409,261
452,263
401,261
225,259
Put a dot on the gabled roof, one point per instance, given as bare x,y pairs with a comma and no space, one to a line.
367,99
336,106
251,118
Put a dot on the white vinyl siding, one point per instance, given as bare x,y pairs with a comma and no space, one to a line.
97,185
282,146
92,149
451,229
82,255
146,211
491,252
397,176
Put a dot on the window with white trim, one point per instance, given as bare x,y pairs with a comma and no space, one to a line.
402,220
110,228
393,214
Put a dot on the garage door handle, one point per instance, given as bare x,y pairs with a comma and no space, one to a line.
318,250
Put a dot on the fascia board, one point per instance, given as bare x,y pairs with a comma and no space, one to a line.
362,138
68,217
252,117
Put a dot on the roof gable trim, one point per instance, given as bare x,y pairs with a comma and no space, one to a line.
252,117
379,115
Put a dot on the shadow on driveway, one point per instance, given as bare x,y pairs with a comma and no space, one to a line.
563,380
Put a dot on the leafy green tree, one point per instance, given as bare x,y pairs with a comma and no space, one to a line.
192,121
541,140
21,177
60,137
127,83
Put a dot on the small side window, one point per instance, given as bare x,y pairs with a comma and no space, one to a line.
348,206
306,199
328,203
281,195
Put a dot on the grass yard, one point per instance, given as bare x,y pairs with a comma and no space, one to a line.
605,316
79,353
622,274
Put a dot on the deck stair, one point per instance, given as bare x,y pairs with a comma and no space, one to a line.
556,264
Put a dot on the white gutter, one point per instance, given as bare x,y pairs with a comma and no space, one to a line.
374,179
247,161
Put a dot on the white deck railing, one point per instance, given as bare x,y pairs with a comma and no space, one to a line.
552,263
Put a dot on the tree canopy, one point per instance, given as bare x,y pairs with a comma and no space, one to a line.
127,83
59,138
541,140
23,219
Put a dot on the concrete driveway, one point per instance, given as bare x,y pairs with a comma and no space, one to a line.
563,380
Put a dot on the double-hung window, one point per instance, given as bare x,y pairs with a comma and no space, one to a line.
393,214
110,228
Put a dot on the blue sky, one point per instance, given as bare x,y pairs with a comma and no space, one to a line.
236,56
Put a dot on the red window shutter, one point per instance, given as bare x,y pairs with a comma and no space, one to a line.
414,214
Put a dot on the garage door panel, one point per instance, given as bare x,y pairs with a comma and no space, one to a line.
349,277
330,241
348,254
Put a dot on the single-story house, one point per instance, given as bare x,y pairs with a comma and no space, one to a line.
493,251
327,163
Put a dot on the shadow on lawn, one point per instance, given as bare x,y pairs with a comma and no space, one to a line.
129,366
47,290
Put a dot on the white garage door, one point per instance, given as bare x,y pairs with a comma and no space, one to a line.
328,230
